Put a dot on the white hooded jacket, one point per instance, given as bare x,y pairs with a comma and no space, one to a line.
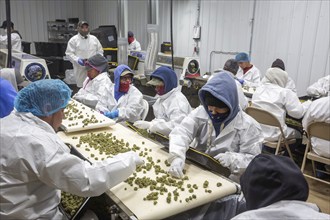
93,90
84,48
320,88
36,165
251,77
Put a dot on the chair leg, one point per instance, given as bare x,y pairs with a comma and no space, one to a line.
305,158
278,146
288,149
313,165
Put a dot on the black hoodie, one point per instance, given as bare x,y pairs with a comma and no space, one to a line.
269,179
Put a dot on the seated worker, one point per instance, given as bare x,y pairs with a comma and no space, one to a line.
96,83
275,188
171,105
319,111
35,163
15,36
7,97
319,88
232,67
248,74
278,63
273,97
219,128
133,44
122,101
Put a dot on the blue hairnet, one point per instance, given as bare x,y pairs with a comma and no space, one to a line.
43,97
242,57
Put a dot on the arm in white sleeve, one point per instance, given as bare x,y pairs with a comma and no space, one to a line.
3,39
183,134
134,108
71,51
293,106
99,47
71,174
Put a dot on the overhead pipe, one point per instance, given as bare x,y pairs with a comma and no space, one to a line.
8,34
122,32
219,52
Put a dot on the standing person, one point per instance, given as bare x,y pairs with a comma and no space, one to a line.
123,101
275,188
272,96
36,165
278,63
7,97
320,88
16,38
96,83
171,106
248,74
133,44
220,128
81,47
318,111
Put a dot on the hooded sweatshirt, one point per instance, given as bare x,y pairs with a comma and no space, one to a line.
269,179
222,87
168,76
276,76
118,71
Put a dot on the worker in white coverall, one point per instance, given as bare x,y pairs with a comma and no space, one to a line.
81,47
320,88
36,165
278,63
96,83
273,97
318,111
133,44
171,106
220,128
123,101
248,74
275,188
16,38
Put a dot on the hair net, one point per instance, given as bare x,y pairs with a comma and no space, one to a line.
43,97
97,62
130,34
242,57
279,64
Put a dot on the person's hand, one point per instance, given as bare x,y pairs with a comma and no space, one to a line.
176,169
142,124
112,114
138,161
81,62
241,81
223,159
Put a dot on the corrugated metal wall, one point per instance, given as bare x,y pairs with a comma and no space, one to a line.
30,16
296,31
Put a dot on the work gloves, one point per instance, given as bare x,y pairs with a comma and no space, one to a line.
225,160
138,161
241,81
176,169
113,114
142,124
81,62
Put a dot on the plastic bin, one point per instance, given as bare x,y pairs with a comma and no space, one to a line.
46,49
26,47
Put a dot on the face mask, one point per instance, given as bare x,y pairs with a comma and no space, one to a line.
124,86
130,40
219,116
160,90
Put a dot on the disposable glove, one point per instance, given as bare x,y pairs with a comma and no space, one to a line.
81,62
241,81
138,161
176,168
142,124
224,159
112,114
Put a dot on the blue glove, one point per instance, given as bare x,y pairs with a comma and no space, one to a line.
112,114
81,62
241,81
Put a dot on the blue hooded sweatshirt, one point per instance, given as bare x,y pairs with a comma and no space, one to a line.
118,71
168,76
7,97
223,87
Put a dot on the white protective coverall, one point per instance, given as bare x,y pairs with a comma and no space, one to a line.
319,111
291,85
16,41
272,97
135,45
84,48
93,90
36,166
286,210
251,77
130,104
238,141
319,88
